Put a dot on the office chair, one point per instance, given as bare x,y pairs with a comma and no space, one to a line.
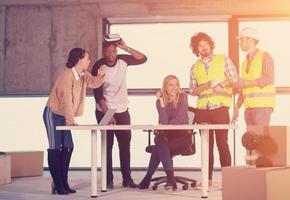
186,151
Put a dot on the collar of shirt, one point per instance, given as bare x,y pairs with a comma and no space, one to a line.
76,75
207,60
250,56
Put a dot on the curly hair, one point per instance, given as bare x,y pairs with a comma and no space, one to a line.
194,41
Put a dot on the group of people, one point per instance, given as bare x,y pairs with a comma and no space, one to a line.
213,79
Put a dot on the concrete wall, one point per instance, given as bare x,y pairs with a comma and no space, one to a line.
36,40
36,35
2,47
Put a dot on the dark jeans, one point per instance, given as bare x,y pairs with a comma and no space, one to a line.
165,146
124,139
216,116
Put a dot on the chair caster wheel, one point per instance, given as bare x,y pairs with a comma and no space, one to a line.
185,187
154,187
193,184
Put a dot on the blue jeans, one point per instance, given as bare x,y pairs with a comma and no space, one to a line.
56,138
165,145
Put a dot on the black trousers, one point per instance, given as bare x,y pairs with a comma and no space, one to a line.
216,116
124,139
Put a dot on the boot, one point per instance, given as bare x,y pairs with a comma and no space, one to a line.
54,164
144,184
171,183
66,156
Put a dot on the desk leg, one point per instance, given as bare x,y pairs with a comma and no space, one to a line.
204,162
94,177
104,161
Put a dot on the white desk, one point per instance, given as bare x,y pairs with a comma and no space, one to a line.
204,128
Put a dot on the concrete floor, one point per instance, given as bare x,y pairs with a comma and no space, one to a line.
35,188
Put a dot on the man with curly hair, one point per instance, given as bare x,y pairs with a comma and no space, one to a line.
211,81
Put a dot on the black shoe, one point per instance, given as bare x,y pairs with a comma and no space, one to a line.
60,190
110,185
145,183
130,184
171,183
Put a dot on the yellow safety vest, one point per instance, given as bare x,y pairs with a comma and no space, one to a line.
216,71
257,97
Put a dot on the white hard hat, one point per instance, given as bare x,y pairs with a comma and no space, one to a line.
249,32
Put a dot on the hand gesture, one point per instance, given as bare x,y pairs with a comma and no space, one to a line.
239,84
71,124
101,71
218,88
235,115
112,121
159,95
122,45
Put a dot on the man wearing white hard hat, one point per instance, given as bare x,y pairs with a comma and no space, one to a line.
257,82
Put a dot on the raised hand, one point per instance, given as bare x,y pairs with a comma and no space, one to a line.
101,71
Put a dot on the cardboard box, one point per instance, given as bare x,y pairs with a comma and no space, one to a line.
26,163
5,169
274,147
241,183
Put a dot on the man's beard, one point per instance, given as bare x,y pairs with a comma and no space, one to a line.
205,54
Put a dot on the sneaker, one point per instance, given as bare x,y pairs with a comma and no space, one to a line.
110,185
130,183
145,183
210,184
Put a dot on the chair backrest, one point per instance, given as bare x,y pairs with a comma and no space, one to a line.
187,151
191,114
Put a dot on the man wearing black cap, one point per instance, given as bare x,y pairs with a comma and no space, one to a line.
113,94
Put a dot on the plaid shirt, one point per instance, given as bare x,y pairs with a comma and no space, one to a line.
230,72
267,68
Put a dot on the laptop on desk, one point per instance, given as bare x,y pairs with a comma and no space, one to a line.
107,117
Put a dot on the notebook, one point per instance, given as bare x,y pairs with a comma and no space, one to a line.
107,117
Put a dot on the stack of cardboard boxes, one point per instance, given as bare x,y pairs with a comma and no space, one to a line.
270,180
20,164
5,169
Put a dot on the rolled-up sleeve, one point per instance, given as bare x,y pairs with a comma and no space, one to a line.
231,70
268,70
192,80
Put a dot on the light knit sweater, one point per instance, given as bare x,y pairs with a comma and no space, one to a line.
67,96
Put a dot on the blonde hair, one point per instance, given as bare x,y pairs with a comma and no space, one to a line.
164,91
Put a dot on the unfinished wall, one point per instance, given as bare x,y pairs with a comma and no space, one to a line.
2,47
72,26
36,40
36,35
27,63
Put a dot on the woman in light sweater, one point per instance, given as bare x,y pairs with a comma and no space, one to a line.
172,108
66,101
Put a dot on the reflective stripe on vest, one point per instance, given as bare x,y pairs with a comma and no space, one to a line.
216,72
255,97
